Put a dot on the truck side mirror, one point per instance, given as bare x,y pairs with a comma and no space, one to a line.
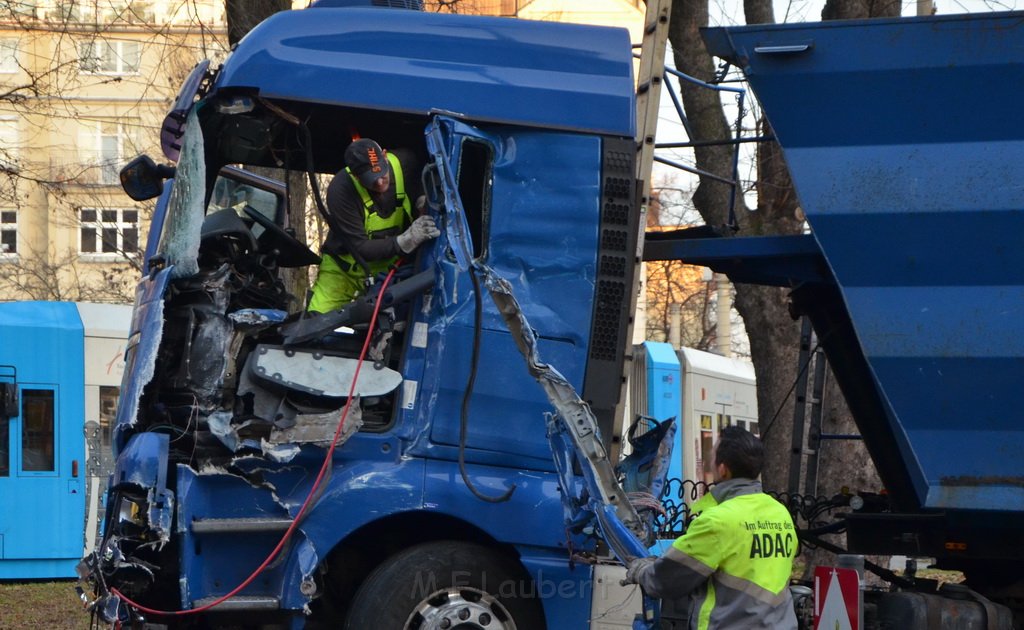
8,400
143,179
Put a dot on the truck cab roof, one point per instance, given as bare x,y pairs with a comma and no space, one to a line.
539,74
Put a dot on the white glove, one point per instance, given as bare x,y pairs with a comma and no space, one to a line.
422,230
636,567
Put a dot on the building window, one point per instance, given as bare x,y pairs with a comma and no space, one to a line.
139,11
105,145
22,8
8,233
9,55
106,231
109,57
8,144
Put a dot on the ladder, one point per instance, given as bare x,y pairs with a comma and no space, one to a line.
650,78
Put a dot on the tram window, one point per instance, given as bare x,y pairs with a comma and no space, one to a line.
37,433
707,453
108,412
5,446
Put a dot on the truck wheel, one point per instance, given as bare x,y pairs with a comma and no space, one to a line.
447,586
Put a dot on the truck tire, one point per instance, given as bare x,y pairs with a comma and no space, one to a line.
447,585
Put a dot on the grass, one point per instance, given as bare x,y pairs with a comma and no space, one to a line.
36,605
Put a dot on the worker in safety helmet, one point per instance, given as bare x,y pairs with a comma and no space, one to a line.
736,557
372,200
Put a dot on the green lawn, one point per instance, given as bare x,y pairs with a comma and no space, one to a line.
37,605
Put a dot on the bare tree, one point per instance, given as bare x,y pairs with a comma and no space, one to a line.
77,237
242,17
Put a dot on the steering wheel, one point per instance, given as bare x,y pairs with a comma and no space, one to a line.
291,251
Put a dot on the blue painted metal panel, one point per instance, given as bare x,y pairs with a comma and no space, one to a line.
213,564
567,592
544,242
541,74
44,510
915,201
536,498
368,483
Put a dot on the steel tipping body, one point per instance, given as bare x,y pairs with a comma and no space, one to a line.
909,176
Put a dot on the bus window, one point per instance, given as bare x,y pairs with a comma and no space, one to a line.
38,431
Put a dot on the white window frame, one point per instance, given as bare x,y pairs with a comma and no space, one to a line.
91,57
119,225
5,227
9,49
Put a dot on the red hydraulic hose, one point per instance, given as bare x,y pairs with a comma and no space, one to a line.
305,504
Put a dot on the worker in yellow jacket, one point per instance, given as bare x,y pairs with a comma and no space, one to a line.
736,557
377,202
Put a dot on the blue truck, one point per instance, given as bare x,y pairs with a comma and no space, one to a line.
438,499
394,464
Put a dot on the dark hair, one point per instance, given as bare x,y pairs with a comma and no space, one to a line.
741,451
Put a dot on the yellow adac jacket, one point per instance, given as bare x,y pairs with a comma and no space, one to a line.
734,561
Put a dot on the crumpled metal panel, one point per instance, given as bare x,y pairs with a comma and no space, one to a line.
507,409
143,464
140,352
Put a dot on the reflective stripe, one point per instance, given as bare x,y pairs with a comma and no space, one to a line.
704,618
752,589
373,222
688,561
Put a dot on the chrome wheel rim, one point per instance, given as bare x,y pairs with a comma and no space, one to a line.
460,608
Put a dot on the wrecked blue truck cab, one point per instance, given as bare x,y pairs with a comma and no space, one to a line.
232,396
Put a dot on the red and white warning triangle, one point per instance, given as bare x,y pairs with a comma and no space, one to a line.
834,615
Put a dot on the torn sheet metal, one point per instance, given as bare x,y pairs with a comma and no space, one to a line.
256,319
281,443
143,465
317,429
141,352
575,419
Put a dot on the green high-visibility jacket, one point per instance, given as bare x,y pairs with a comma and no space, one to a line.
734,561
374,223
340,278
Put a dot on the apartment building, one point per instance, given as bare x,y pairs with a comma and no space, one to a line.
84,86
627,14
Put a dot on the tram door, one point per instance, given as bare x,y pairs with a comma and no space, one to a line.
41,488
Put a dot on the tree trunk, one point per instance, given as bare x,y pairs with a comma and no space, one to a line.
774,335
242,16
860,9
